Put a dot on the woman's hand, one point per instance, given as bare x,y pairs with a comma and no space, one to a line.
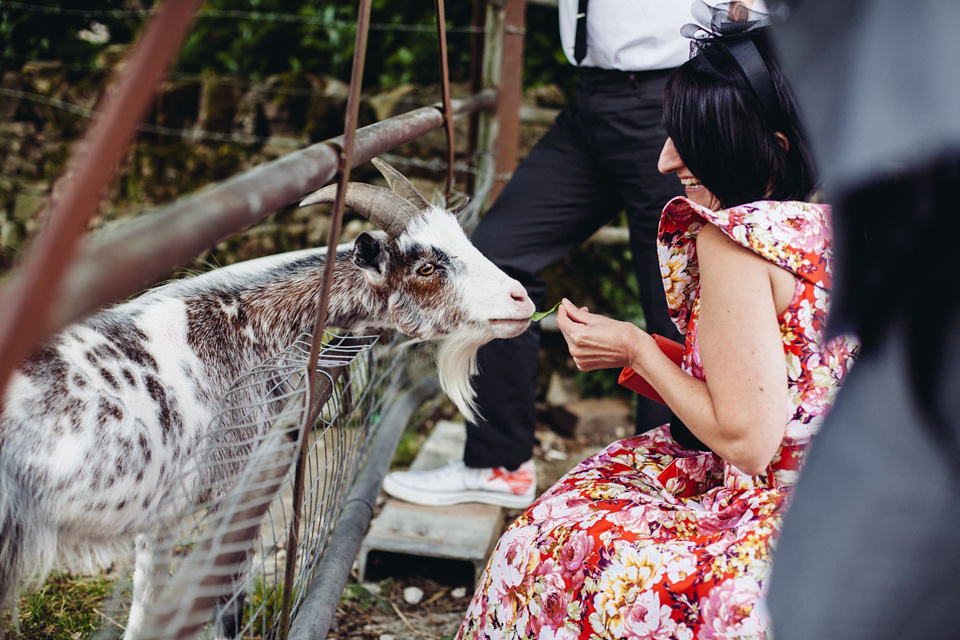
598,342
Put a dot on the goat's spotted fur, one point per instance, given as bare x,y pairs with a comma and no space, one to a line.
96,428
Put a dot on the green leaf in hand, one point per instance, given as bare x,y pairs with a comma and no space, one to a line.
540,315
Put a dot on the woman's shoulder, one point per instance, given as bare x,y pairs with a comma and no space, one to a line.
792,234
680,211
803,226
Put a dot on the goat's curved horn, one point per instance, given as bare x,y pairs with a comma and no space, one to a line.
380,206
460,206
400,185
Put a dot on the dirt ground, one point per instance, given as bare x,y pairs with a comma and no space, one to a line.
412,598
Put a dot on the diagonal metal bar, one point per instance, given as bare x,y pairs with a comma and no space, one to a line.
349,135
77,194
445,87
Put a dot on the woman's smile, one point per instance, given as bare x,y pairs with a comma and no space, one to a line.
670,162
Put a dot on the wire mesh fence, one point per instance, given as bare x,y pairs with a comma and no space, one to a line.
219,548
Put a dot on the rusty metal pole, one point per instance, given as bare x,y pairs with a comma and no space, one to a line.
349,135
77,194
507,75
445,90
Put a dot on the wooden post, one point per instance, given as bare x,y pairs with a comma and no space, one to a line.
503,70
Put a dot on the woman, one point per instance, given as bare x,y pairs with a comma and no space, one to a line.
669,536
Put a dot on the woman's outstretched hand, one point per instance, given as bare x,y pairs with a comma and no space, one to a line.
598,342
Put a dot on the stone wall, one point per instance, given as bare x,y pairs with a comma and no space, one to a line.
200,130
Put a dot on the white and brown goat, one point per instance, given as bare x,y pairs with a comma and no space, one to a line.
96,427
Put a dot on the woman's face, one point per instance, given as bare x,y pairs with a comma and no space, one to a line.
670,162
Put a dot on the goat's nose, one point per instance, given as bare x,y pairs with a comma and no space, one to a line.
518,293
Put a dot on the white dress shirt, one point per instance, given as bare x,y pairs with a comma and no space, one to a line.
631,35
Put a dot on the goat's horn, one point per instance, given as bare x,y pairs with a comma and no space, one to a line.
380,206
400,185
460,206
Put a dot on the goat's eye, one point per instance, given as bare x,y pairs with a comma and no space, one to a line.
427,269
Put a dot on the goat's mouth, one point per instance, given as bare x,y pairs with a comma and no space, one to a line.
509,326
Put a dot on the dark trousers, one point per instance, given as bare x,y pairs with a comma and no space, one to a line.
599,158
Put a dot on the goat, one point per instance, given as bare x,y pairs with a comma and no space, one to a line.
96,426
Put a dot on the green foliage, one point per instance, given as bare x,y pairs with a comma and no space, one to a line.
273,37
261,38
53,34
543,59
267,600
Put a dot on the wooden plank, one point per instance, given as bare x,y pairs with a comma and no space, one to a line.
464,532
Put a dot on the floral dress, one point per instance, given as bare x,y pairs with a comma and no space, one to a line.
648,539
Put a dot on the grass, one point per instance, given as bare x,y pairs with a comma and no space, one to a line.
66,607
265,603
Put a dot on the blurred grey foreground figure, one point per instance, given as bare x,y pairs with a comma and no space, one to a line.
869,547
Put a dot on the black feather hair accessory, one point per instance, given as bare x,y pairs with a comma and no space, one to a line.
732,27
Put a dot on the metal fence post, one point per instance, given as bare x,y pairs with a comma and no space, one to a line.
503,69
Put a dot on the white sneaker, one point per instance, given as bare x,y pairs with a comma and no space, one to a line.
456,483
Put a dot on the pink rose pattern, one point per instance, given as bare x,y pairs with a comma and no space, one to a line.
647,539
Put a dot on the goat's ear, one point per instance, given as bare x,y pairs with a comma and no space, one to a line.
369,253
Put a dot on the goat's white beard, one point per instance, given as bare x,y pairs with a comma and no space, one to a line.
456,364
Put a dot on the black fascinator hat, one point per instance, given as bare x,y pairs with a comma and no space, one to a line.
732,29
730,111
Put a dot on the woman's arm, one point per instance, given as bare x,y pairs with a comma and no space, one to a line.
741,412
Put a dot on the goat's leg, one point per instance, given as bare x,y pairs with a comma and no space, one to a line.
147,573
229,614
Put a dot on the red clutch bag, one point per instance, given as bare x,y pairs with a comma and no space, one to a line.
635,382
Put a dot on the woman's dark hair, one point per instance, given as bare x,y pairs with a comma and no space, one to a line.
725,136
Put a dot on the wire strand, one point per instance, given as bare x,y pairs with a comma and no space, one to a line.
187,134
262,87
236,14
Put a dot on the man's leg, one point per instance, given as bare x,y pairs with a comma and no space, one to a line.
629,135
557,198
